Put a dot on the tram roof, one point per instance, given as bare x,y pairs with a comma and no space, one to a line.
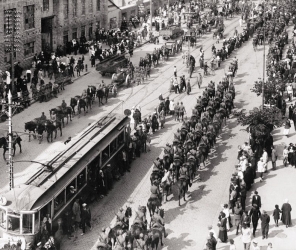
65,164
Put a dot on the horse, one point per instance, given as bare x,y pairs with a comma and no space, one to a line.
100,95
51,127
182,188
15,140
152,204
91,92
167,189
31,127
60,114
88,101
155,58
80,105
67,112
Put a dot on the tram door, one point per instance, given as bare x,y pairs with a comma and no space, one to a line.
94,178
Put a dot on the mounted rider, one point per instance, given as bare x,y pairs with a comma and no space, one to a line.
141,217
157,222
155,193
184,175
120,218
64,106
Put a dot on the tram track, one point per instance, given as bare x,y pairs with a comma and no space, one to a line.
169,67
167,79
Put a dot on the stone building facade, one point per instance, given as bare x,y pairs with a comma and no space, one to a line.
46,24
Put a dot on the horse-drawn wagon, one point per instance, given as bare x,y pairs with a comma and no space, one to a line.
172,47
110,65
171,32
120,76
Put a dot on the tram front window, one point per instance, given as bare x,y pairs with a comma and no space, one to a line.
13,223
27,223
2,218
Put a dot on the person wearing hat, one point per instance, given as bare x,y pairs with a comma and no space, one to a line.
120,216
85,218
246,236
222,227
255,245
140,243
108,177
290,92
167,106
76,213
155,193
255,214
286,213
261,167
265,219
256,199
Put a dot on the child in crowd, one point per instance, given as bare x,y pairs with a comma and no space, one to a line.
285,156
232,246
276,215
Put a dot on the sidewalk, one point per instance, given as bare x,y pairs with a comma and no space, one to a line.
83,73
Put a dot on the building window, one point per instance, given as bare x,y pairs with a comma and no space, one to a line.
113,23
66,9
66,37
90,31
45,5
9,21
82,30
7,56
29,17
29,49
74,33
90,6
74,7
82,7
98,5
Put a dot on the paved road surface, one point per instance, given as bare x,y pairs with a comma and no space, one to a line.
187,225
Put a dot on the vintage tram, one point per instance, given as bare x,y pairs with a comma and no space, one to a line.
51,190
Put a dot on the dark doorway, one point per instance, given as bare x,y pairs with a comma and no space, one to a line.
46,33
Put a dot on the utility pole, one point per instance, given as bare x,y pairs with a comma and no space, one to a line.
12,27
188,14
263,77
151,1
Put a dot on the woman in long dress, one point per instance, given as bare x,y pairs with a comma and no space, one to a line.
162,118
287,127
286,213
222,228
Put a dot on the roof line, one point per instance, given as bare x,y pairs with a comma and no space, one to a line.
114,4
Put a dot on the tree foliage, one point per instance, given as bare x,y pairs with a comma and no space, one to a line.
271,88
260,122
